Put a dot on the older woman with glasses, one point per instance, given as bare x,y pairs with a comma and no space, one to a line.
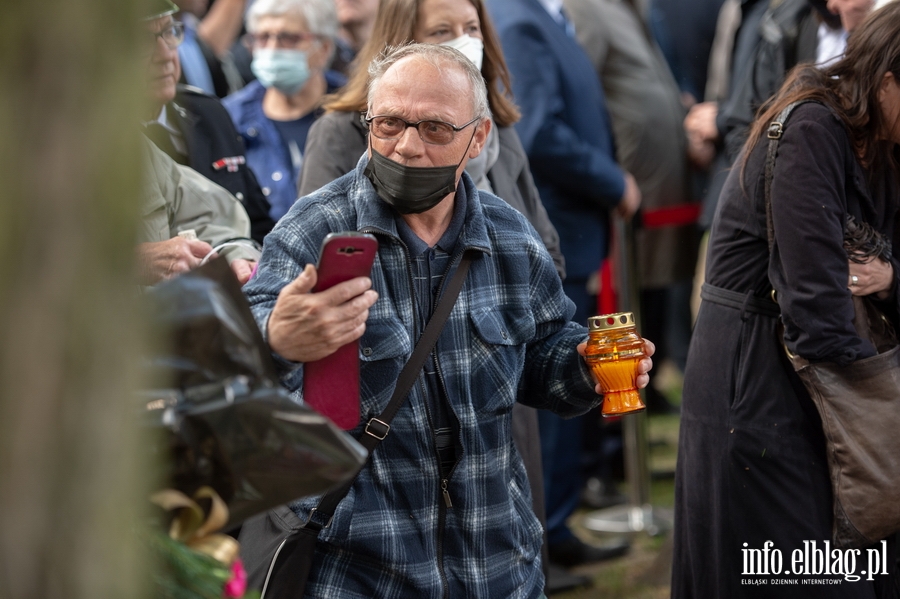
292,43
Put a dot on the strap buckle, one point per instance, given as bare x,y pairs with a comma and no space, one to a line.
377,428
312,524
775,130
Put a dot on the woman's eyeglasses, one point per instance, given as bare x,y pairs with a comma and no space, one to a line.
283,39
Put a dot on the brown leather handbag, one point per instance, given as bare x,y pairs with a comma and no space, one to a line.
859,404
860,409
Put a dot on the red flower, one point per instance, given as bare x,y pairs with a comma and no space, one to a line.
237,585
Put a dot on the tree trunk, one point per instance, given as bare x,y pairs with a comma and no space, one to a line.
72,479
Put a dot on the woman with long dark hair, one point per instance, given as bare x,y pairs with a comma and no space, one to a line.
752,485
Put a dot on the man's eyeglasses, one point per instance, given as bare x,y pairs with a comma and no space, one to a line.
282,39
172,35
437,133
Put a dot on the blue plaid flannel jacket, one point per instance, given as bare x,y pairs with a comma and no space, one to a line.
509,336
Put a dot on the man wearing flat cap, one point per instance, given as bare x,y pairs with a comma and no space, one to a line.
185,215
193,128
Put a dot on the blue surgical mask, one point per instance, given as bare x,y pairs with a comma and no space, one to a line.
471,47
285,70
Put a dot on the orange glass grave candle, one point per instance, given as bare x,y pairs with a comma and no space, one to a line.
613,351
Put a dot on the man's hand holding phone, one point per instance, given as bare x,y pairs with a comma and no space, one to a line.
306,326
318,319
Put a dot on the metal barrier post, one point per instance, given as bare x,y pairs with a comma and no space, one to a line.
638,515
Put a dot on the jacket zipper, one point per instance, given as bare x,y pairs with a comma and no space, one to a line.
447,501
445,482
440,374
442,522
445,586
445,492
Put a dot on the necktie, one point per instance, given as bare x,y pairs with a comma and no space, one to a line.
564,22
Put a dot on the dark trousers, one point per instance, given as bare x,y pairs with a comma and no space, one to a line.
561,445
561,455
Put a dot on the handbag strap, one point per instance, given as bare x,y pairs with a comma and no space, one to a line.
378,427
774,133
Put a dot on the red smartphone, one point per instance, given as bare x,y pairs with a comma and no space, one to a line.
331,384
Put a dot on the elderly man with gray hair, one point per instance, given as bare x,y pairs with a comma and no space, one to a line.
293,43
443,507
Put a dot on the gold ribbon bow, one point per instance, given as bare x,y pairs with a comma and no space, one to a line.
194,528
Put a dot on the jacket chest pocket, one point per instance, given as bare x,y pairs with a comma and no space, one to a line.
497,354
503,325
383,351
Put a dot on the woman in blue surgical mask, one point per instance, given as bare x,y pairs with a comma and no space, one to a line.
292,43
337,141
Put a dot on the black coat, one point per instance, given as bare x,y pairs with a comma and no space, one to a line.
216,151
787,37
751,459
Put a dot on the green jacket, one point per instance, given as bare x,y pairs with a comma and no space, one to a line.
177,198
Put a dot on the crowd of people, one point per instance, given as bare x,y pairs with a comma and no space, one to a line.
513,134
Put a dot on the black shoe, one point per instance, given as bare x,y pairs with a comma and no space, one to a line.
558,580
574,552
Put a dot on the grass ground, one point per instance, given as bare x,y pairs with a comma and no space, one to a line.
643,573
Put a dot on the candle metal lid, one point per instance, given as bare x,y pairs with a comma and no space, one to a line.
607,322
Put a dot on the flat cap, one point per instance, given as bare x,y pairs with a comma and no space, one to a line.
156,9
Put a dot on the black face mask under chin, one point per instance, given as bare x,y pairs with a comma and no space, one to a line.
411,189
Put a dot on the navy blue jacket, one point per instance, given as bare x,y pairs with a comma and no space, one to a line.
565,129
